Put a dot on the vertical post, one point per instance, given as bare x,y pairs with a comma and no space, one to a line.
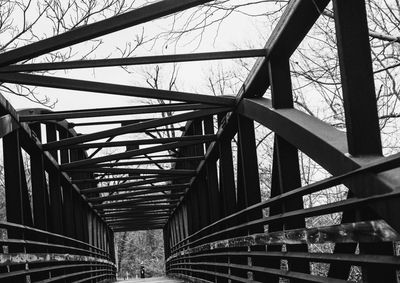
227,182
185,218
13,184
189,213
247,154
181,223
40,202
93,228
27,212
178,220
51,134
78,217
200,183
212,179
167,251
111,244
39,190
85,218
68,210
227,197
56,203
286,170
361,115
80,213
56,206
362,124
173,231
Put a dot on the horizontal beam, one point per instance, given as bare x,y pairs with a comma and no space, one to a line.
11,259
148,190
169,172
152,161
138,208
121,222
152,199
135,189
158,59
127,154
135,127
113,89
377,231
144,205
90,31
131,185
143,225
117,188
204,138
352,259
128,178
136,213
115,111
159,172
161,220
140,197
103,179
139,221
138,216
111,122
130,228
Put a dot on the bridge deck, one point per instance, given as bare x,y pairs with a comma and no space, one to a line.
153,280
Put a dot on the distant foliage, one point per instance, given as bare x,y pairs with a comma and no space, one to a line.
140,248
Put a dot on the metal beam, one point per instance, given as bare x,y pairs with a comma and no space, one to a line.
134,61
143,162
135,213
293,26
7,125
326,146
138,227
147,190
359,98
84,33
296,21
203,139
153,161
152,199
115,111
138,208
138,216
111,122
135,127
112,179
114,89
127,154
170,172
138,221
120,187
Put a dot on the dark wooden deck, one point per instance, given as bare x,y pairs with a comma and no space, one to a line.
153,280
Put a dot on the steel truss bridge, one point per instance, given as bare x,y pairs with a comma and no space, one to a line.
214,223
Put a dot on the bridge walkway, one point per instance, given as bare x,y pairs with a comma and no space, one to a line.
153,280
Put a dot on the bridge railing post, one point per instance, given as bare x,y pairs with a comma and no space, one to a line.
361,117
